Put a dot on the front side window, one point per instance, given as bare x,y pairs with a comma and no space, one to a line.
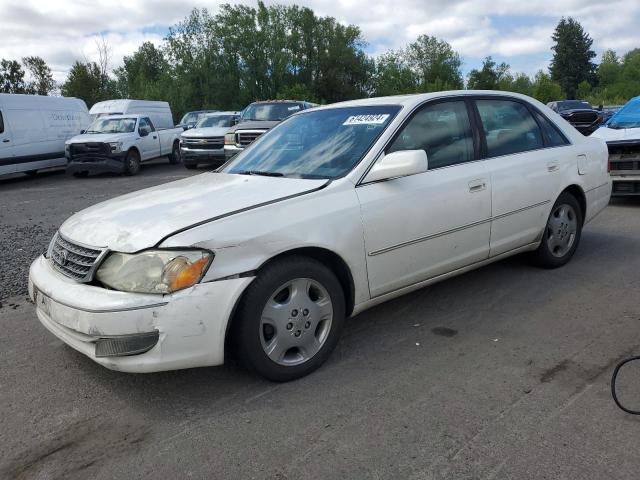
508,127
145,126
1,123
324,143
442,130
112,125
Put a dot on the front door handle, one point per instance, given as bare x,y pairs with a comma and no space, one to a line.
477,185
6,140
154,137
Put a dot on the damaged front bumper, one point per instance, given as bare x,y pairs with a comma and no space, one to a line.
134,332
97,163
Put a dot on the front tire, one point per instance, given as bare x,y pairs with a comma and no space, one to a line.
289,319
132,163
174,158
561,234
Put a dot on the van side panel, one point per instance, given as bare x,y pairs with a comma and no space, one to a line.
37,127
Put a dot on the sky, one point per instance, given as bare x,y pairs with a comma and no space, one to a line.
516,32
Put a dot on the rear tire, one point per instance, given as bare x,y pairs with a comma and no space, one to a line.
174,158
132,163
561,234
289,319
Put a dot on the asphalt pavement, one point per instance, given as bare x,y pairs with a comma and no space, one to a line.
501,373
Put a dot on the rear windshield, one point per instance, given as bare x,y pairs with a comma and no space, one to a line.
270,111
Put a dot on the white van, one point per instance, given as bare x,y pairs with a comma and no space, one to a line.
158,112
33,129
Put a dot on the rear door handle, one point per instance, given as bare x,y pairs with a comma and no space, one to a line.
477,185
6,140
553,166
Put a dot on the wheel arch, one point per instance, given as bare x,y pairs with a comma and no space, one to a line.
135,149
327,257
577,192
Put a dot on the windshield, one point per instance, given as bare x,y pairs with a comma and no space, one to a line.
270,111
112,125
318,144
215,121
573,105
627,117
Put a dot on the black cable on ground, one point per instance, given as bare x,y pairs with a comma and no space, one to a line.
613,385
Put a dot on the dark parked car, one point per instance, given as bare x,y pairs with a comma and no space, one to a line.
578,113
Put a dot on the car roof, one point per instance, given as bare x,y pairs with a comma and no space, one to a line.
418,98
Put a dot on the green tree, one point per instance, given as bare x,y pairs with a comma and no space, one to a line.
42,82
12,77
144,74
435,63
86,81
545,89
490,77
393,75
571,63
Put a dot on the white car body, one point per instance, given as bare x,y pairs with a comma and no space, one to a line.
379,233
33,129
94,152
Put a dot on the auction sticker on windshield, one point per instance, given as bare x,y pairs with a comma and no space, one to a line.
374,119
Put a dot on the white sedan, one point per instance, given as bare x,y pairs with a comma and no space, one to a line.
335,210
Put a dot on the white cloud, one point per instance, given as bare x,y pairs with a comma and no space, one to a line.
62,31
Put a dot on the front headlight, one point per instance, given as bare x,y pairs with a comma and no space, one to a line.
230,139
116,147
154,271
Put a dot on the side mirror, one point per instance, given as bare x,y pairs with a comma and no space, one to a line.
398,164
82,132
143,133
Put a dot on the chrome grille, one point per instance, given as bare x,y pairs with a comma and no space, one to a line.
73,260
209,143
248,137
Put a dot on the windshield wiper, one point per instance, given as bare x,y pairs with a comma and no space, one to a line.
92,131
264,174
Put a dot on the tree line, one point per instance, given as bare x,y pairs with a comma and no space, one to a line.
240,54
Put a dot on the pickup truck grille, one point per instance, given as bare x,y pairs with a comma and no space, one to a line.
209,143
73,260
91,148
248,137
582,117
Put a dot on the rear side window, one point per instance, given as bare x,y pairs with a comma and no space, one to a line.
442,130
552,136
1,123
508,127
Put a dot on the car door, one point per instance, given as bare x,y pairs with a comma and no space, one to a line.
525,172
6,145
148,139
421,226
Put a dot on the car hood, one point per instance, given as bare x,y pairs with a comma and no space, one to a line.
617,134
97,137
256,125
143,219
205,132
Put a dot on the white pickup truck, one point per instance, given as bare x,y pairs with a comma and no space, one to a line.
120,143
